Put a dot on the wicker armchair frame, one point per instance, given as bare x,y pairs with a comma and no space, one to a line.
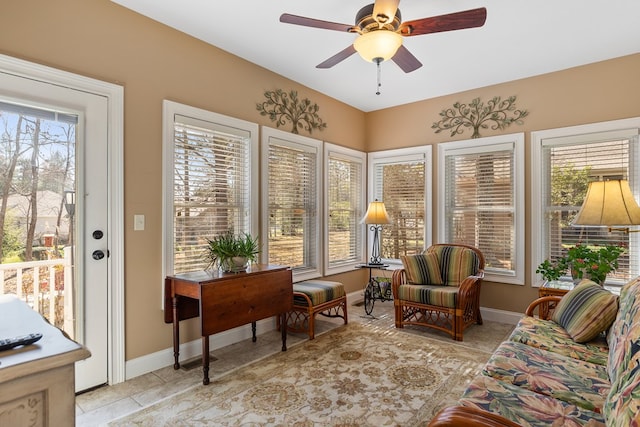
450,320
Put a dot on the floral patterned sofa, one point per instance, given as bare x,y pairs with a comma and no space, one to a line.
580,367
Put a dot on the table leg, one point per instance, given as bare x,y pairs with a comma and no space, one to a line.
176,334
283,322
253,331
205,360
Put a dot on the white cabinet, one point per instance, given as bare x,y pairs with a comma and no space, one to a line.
37,382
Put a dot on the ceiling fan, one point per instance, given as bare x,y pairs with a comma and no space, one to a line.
380,30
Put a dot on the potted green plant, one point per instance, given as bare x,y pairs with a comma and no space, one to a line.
584,262
232,252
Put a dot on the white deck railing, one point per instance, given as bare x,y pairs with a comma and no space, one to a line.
53,300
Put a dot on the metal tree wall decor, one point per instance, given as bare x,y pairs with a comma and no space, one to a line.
478,116
282,107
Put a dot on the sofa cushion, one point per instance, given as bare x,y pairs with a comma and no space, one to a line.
441,296
561,377
586,311
625,330
422,269
456,263
525,407
548,335
622,407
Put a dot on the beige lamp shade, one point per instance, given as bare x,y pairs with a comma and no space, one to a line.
608,203
378,44
376,214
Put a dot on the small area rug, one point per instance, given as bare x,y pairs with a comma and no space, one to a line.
354,375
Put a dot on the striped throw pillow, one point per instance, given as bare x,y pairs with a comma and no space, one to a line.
586,311
423,269
456,263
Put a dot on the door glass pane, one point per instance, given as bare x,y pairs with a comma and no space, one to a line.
37,181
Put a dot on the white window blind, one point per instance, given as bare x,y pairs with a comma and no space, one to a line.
569,164
399,182
293,203
210,186
344,208
480,203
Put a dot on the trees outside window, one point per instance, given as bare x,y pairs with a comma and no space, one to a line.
401,179
37,165
210,183
345,206
292,202
481,201
570,158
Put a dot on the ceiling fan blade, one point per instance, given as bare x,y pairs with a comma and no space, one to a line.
452,21
338,57
405,60
315,23
385,10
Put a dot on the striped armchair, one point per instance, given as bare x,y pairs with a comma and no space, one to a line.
439,289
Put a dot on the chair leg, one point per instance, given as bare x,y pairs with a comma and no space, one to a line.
398,314
312,324
458,325
344,310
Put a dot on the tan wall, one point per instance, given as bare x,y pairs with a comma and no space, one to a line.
102,40
592,93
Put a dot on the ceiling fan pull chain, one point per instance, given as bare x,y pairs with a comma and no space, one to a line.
378,61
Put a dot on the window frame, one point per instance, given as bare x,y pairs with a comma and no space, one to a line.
170,110
399,156
357,157
309,145
486,145
537,183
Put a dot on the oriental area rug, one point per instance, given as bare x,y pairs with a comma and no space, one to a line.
354,375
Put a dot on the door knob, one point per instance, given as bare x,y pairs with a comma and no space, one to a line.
97,255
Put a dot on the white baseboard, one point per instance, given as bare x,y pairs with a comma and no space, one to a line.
163,358
500,316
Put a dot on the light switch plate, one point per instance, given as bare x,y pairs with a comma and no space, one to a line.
138,222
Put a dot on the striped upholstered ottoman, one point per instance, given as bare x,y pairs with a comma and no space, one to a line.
315,296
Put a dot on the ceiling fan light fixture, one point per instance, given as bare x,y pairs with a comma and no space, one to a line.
378,44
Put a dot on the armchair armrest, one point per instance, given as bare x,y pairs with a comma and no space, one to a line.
469,289
463,416
399,277
471,281
541,300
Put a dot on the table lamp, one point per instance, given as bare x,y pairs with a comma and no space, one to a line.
375,216
609,203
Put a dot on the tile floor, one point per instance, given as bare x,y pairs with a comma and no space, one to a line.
99,406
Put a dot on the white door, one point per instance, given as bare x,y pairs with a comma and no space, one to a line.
89,234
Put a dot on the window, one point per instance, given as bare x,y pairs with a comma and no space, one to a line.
292,192
400,178
345,201
481,201
208,182
569,159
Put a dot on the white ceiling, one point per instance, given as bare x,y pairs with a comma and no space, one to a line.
521,38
